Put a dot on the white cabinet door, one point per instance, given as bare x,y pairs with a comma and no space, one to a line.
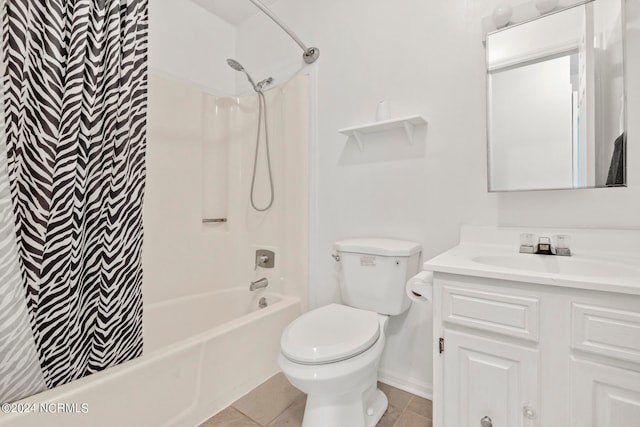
484,377
604,396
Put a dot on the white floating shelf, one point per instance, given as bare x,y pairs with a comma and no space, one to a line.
407,123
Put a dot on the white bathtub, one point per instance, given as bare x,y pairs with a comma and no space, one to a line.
202,352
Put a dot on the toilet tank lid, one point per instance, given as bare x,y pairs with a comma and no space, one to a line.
378,246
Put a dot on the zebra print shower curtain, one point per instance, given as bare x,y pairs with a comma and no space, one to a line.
75,99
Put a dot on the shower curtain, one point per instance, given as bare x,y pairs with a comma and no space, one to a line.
75,99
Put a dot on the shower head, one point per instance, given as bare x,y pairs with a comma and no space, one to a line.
238,67
235,64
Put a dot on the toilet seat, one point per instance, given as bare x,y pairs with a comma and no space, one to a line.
330,334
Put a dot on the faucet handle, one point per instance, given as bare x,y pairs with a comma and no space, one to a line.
261,260
562,242
526,243
264,258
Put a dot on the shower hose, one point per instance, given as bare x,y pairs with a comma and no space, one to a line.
262,109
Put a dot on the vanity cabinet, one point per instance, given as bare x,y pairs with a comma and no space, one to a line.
511,354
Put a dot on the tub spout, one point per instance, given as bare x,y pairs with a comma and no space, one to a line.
259,284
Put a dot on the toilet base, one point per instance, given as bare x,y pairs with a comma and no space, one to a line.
351,410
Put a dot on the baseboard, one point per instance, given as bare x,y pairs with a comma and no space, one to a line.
411,385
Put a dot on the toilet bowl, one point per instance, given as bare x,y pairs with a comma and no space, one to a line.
339,375
332,353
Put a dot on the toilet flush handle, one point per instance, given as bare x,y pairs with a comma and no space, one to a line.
336,257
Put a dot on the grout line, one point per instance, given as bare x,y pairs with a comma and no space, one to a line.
406,409
246,415
395,423
408,404
285,409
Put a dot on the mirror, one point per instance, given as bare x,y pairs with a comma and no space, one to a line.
556,100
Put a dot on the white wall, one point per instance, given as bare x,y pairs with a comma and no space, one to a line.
424,57
189,44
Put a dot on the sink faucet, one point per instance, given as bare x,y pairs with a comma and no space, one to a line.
259,284
544,245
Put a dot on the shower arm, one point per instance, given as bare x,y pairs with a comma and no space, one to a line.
310,53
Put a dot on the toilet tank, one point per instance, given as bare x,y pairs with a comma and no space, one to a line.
373,273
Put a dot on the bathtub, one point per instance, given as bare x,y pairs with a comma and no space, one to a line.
202,352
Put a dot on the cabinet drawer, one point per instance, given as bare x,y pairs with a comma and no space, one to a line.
511,315
606,331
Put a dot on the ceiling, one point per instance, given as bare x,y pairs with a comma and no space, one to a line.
232,11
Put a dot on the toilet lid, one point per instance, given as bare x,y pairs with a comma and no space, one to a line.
330,334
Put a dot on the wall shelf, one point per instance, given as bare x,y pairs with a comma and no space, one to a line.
407,123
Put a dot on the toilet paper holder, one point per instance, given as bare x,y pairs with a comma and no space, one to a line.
419,288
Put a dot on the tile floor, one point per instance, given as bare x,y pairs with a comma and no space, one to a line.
276,403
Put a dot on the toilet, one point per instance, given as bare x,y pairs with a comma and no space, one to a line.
332,353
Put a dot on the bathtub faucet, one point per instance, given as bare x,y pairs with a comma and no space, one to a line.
259,284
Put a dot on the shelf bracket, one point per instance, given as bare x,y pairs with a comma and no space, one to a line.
358,136
408,128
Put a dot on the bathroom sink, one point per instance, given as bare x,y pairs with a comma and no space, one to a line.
559,265
601,260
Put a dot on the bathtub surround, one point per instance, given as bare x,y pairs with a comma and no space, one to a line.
75,136
201,151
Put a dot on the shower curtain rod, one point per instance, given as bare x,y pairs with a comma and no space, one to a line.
310,53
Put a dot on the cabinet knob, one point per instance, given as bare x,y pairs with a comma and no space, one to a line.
486,422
